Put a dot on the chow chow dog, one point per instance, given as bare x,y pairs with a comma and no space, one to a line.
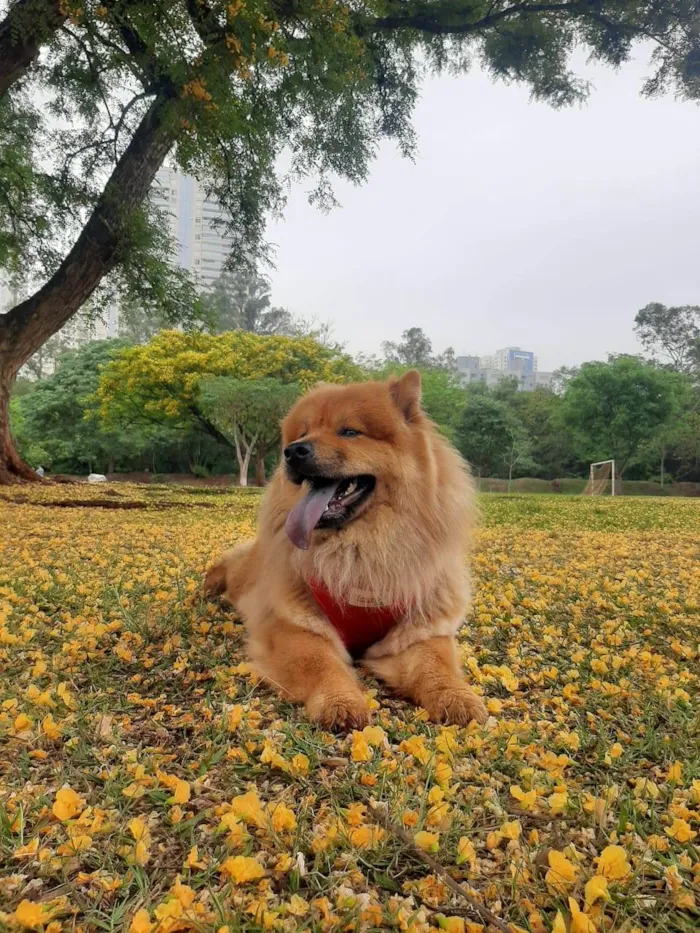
360,556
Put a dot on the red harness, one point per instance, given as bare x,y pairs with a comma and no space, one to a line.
360,627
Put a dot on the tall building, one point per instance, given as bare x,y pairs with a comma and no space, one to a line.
512,360
506,363
195,224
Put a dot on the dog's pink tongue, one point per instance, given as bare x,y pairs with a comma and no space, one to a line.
304,517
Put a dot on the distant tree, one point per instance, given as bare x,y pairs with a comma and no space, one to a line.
486,430
613,408
562,377
671,335
58,416
518,450
540,412
248,413
414,349
506,389
242,301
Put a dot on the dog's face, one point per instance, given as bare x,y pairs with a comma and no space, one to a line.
346,445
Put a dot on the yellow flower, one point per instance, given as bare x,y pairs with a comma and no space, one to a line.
562,873
193,860
235,717
465,851
299,765
361,750
282,818
681,831
580,923
365,837
241,869
416,746
141,922
249,808
558,802
613,864
675,772
452,924
428,842
511,830
374,735
559,925
297,906
526,799
596,890
67,804
181,792
138,829
28,914
50,729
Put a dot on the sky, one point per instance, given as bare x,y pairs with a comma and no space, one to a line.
516,225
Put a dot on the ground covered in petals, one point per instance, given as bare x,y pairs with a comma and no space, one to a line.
149,784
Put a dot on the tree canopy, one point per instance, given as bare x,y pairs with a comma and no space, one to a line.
613,407
160,383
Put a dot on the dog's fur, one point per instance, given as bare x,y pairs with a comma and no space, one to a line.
406,546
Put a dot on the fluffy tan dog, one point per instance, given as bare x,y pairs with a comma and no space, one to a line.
360,554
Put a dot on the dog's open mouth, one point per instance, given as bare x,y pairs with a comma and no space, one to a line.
329,503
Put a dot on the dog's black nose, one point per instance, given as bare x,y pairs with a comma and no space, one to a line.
298,452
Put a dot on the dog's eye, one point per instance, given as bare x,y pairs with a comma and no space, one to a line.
349,432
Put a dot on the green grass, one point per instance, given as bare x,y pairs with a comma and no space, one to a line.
584,638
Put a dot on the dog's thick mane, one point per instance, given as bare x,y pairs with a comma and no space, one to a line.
404,552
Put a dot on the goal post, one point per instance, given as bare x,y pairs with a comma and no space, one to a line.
602,472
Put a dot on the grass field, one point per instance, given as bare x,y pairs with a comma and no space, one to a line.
147,783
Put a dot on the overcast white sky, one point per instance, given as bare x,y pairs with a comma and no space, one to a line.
517,224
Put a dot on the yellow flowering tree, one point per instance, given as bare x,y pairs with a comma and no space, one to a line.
231,386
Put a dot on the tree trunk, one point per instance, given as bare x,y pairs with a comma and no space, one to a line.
27,326
12,469
244,464
663,461
260,478
28,24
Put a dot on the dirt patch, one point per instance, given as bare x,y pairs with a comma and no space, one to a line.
108,504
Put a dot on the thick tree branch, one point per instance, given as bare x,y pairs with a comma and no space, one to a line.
28,24
98,247
460,19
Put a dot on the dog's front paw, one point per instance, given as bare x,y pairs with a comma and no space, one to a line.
456,705
339,712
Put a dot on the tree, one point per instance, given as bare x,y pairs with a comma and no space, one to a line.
161,383
672,334
518,450
230,86
414,349
486,431
58,416
562,377
613,408
539,412
248,413
242,301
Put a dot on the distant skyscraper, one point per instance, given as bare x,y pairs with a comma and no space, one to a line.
195,224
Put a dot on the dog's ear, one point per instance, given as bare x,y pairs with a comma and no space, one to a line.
406,393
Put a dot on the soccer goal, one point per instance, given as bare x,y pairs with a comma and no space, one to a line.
602,479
